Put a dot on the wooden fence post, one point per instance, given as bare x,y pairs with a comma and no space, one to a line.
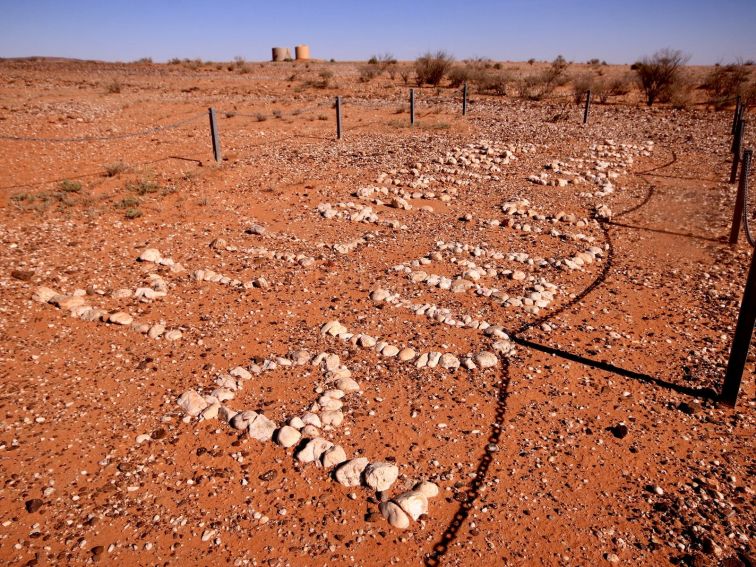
464,100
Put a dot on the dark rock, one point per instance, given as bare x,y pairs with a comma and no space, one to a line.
619,431
158,433
22,275
269,475
33,505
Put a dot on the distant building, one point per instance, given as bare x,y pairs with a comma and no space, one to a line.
302,52
281,53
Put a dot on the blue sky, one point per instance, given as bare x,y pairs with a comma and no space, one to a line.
619,31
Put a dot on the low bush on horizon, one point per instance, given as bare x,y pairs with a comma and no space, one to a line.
660,75
724,83
431,68
113,87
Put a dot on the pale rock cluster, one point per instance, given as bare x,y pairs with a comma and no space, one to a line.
347,247
445,316
410,505
303,260
152,255
156,288
432,359
355,213
389,195
76,304
539,292
602,163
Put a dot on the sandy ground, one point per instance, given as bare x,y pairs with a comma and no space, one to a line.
596,439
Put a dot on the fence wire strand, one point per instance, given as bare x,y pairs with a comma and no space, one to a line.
139,133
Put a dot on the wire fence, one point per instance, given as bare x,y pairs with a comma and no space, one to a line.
744,210
322,106
122,136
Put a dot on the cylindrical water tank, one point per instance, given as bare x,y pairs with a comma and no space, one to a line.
302,52
281,53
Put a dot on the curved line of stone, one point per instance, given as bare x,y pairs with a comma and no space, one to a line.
303,432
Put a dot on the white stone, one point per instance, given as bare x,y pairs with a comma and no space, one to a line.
350,473
333,456
310,431
288,436
261,428
150,255
313,450
121,318
449,361
296,422
422,361
156,330
381,475
390,351
44,294
367,341
240,372
192,403
406,354
433,359
427,489
486,359
395,516
311,419
242,419
334,418
413,503
347,385
380,295
211,411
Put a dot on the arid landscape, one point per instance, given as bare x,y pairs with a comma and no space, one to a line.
489,339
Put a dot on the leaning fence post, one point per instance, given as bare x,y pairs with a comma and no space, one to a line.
338,118
742,339
736,115
737,142
464,99
587,106
737,215
412,107
214,135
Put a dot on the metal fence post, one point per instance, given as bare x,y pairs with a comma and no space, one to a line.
737,215
742,339
412,107
587,106
464,100
214,135
736,116
737,142
338,118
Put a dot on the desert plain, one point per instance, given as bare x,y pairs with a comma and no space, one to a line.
491,339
